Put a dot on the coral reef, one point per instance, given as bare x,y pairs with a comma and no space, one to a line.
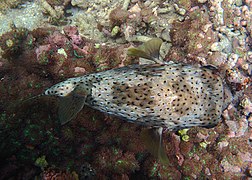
6,4
58,174
27,15
95,145
192,38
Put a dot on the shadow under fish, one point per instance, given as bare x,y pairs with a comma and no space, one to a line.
159,95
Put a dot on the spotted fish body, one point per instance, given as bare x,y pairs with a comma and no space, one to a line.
159,95
168,95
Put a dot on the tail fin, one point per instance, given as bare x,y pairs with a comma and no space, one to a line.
23,106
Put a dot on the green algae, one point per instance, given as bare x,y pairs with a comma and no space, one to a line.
33,84
204,144
183,134
77,55
185,138
97,45
154,170
115,31
41,162
9,43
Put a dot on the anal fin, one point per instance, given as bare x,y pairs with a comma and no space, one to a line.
153,140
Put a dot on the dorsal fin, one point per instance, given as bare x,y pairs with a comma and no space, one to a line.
210,66
149,50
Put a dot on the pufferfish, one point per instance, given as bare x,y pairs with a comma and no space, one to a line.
159,95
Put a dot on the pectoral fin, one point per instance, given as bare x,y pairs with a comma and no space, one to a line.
69,107
153,141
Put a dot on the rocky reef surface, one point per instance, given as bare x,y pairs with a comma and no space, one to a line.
47,41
